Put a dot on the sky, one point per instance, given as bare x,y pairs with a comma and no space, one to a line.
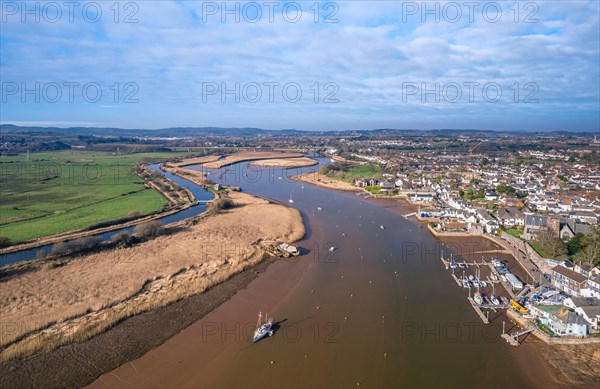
343,65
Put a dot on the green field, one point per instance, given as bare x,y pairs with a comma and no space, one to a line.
370,170
52,192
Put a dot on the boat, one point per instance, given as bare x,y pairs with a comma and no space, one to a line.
319,208
475,283
332,249
471,278
494,300
462,265
477,298
483,284
465,283
382,227
263,329
453,265
291,200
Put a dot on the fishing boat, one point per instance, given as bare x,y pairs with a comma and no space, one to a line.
477,298
263,329
494,300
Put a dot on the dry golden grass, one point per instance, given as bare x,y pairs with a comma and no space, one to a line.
249,156
195,161
324,181
286,162
89,294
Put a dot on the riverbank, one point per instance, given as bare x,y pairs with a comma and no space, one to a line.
86,295
319,179
249,156
286,162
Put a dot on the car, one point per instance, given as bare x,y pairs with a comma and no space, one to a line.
548,277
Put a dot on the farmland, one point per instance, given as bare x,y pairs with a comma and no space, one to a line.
51,192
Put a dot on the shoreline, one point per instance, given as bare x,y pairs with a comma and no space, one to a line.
79,364
323,181
110,285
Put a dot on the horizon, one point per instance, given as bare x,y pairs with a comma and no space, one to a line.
341,66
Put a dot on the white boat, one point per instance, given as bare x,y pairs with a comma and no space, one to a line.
477,298
465,283
319,208
263,329
291,200
475,283
494,300
382,227
332,248
471,278
483,284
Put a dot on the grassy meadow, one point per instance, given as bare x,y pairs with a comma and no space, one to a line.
52,192
354,172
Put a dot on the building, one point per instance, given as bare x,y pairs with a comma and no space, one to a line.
572,283
586,307
561,320
510,217
534,225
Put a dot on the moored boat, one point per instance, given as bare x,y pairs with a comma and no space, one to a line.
263,329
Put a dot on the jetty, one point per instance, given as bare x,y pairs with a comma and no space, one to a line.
513,339
478,310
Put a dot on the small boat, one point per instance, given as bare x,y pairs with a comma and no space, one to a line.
319,208
279,178
382,227
465,283
453,265
477,298
471,278
475,283
263,329
494,300
332,249
343,234
483,284
291,200
462,265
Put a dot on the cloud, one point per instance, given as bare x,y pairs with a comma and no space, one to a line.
166,58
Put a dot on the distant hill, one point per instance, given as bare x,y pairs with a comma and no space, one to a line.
193,132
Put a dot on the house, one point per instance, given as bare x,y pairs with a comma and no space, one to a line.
510,217
387,186
567,280
593,286
586,307
421,198
367,182
534,225
561,320
489,223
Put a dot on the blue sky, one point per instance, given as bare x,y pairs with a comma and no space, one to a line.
354,65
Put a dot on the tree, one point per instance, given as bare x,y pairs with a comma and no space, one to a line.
149,229
553,247
4,241
577,243
591,252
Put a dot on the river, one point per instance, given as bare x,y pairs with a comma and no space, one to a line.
379,311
